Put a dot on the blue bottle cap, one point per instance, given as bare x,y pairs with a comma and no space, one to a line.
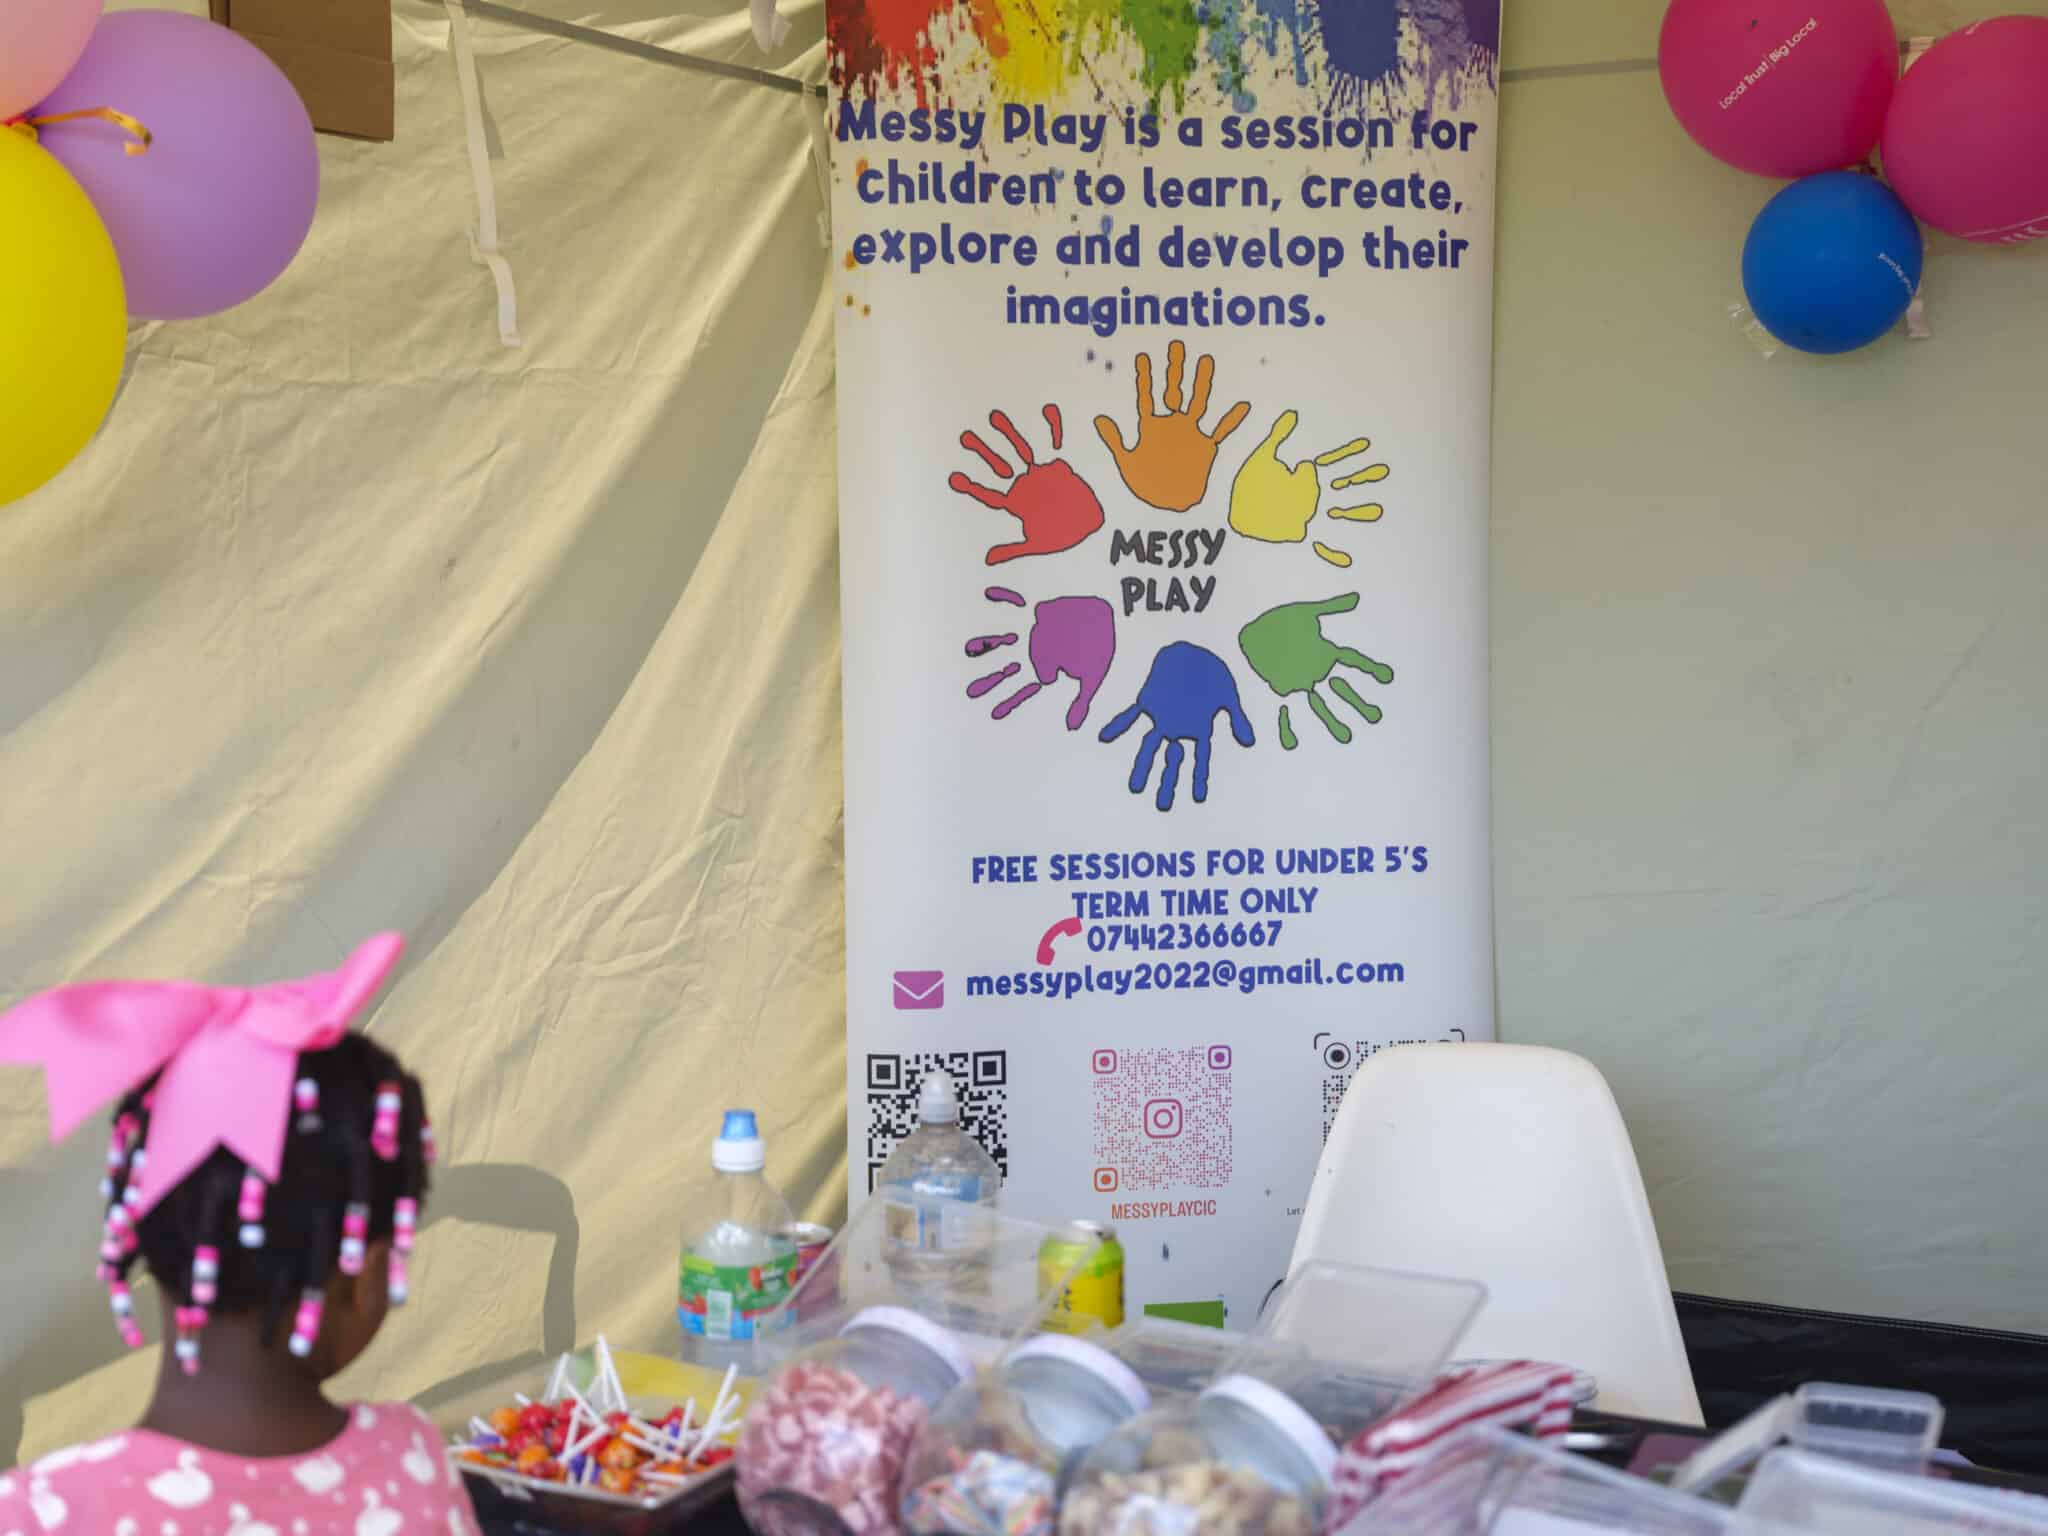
739,1126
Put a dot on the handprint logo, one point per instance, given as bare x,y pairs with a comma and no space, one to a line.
1275,503
1169,466
1286,646
1074,635
1183,693
1056,506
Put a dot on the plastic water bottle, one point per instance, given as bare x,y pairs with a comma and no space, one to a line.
737,1264
942,1186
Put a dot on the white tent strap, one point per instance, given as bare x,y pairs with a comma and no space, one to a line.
771,27
821,165
483,236
1918,326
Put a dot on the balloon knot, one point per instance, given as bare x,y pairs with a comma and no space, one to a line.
139,137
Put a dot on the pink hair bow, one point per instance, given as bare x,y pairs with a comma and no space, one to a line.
228,1055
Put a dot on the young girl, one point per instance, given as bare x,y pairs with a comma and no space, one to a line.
268,1168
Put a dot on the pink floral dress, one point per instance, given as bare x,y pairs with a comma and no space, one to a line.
384,1475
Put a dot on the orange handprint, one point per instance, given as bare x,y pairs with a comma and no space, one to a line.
1169,466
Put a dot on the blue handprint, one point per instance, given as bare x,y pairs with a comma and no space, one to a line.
1182,694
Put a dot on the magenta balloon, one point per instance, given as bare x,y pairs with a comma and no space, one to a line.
39,41
222,201
1784,88
1966,144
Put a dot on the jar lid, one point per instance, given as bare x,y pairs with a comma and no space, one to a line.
1099,1363
908,1324
1274,1410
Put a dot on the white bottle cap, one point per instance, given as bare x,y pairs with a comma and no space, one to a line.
938,1102
739,1148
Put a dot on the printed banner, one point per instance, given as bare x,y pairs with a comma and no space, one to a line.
1163,382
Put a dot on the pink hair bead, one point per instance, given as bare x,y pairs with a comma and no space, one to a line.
355,1228
205,1274
306,1095
132,1196
405,1216
123,1303
306,1326
250,1209
426,1141
384,1127
186,1347
117,1154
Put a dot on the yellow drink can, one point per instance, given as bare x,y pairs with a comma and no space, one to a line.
1085,1265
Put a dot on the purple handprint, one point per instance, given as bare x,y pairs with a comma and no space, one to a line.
1183,693
1074,635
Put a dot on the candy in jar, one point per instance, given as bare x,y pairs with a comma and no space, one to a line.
1241,1459
823,1447
990,1460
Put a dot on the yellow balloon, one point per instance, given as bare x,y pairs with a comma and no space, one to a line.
63,317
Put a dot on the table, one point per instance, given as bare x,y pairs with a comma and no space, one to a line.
501,1517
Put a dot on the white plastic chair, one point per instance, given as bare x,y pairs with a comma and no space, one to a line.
1510,1165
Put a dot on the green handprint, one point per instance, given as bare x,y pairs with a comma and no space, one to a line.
1286,646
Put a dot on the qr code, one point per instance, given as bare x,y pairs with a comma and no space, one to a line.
1162,1119
980,1078
1341,1060
1333,1100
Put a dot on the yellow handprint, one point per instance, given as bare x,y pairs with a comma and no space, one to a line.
1274,503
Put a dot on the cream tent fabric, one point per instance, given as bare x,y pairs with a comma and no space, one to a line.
353,619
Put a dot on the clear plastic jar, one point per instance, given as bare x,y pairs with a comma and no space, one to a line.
1241,1458
996,1456
825,1441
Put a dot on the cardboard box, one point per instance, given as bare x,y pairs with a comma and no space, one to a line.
337,53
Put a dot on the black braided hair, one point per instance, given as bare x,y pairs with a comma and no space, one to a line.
333,1159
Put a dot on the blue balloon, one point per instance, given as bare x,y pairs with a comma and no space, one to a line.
1832,262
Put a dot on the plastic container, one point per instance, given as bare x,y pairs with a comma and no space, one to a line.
1253,1451
1495,1482
1800,1491
861,1362
1897,1431
934,1179
1868,1423
739,1264
997,1454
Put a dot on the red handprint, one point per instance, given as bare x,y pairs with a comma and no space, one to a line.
1055,505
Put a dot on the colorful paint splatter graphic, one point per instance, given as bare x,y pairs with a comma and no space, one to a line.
1421,54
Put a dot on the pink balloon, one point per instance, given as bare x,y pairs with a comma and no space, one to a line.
1966,142
1784,88
39,41
223,200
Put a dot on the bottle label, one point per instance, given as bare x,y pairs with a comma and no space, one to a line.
733,1301
938,1213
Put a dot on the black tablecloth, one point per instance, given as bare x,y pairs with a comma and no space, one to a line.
1993,1385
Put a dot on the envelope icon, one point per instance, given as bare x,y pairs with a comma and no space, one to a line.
920,991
